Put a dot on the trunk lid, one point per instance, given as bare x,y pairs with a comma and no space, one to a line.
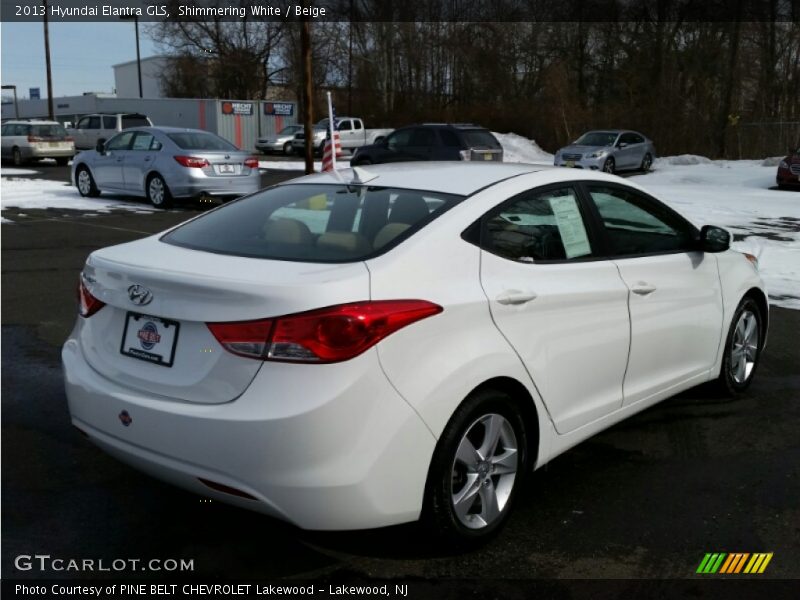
182,290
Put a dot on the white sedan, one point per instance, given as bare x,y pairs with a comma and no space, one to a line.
361,349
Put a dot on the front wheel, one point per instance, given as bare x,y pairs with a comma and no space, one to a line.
609,166
742,348
477,468
647,162
158,192
287,148
85,183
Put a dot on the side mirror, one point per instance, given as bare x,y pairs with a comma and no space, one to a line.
101,147
622,144
714,239
380,140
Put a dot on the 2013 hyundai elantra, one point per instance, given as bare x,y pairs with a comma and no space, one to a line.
366,348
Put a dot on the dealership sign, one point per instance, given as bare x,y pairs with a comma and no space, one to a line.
237,108
281,109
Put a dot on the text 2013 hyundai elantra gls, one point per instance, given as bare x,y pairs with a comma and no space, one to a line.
367,348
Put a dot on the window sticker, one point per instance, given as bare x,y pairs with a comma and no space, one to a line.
570,226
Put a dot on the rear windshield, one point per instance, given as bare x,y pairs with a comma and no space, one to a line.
50,131
480,138
313,223
195,140
134,121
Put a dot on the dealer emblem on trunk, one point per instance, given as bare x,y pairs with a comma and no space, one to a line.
140,295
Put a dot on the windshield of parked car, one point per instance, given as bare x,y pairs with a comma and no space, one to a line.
289,129
314,223
597,138
134,121
49,131
480,138
197,140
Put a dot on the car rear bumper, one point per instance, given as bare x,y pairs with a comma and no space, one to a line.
328,447
28,152
270,146
198,184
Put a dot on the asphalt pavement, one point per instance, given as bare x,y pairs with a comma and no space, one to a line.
646,499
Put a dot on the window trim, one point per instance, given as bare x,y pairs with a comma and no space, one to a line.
648,202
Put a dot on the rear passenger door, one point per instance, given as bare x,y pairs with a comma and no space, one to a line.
139,161
675,294
564,311
422,143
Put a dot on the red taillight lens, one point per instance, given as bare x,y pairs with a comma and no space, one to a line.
69,139
326,335
193,162
87,304
35,138
251,162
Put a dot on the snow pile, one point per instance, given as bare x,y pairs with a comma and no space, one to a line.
737,195
682,160
44,193
519,149
16,172
772,161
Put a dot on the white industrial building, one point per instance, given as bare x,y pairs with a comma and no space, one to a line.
126,77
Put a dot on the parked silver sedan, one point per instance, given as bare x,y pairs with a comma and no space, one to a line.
609,150
163,163
280,142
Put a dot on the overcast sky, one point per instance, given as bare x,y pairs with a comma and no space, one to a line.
81,55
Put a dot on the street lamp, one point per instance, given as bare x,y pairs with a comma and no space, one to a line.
16,107
135,20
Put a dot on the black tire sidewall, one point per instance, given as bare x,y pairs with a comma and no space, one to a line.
647,162
287,149
725,380
92,187
613,163
16,157
438,509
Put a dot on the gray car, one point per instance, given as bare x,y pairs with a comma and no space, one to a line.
281,142
163,163
608,150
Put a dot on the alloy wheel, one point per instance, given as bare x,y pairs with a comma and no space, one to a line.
484,471
744,347
84,182
608,166
156,191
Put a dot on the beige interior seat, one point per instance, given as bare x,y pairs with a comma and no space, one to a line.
388,232
346,242
287,231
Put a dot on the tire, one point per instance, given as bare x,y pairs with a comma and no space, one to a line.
287,149
647,163
85,182
467,500
158,192
610,166
742,348
16,157
62,161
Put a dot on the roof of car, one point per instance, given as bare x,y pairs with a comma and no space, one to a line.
463,178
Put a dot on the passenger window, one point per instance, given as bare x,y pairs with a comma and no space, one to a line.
538,226
637,225
449,138
346,126
93,123
399,139
120,142
109,122
422,138
145,141
357,124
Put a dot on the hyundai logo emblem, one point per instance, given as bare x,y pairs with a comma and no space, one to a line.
139,294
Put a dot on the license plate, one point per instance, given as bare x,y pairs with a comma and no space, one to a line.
487,157
53,144
570,163
226,169
151,339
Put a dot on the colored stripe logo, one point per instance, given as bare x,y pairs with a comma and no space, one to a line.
734,563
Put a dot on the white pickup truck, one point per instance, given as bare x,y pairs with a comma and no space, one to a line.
352,134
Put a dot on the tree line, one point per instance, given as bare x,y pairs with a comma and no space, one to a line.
724,89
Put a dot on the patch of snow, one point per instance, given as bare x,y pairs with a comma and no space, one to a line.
15,172
772,161
681,160
44,193
519,149
4,220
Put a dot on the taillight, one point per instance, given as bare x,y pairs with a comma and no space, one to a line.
35,138
193,162
69,139
87,304
251,162
326,335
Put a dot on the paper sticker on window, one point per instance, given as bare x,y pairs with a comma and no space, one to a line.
570,226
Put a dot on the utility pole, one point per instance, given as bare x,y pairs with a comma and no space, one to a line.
135,20
305,49
50,113
350,62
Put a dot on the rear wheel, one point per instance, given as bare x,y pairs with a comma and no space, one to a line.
609,166
742,348
158,192
16,157
85,183
476,469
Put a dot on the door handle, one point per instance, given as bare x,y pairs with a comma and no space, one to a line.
643,289
515,297
148,158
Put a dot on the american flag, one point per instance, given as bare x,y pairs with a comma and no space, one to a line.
333,143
